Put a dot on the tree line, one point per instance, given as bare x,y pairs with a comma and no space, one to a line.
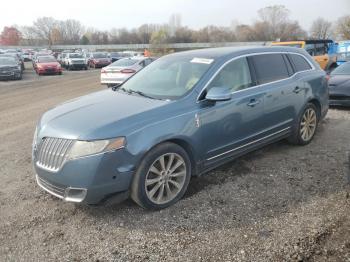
273,23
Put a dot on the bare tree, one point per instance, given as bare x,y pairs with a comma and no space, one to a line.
71,31
321,29
275,24
43,28
343,27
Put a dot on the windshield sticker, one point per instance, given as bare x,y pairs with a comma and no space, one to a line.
202,60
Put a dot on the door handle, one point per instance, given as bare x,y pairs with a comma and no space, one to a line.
253,102
297,89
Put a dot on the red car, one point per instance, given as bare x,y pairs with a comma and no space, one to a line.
99,59
47,65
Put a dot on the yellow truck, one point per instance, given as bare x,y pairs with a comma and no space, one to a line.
323,51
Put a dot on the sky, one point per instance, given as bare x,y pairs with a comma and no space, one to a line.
195,14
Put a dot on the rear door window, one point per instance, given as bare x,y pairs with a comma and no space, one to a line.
299,62
269,68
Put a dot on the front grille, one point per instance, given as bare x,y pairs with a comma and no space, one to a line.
55,190
53,153
78,62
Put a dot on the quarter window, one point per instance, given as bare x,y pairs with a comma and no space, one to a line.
235,76
269,68
300,63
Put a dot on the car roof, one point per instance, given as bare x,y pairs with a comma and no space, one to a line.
222,52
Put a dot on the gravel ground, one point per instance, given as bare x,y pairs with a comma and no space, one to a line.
281,203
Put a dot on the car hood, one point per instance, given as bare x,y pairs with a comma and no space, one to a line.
100,115
339,80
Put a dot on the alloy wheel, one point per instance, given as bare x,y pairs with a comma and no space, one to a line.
165,178
308,124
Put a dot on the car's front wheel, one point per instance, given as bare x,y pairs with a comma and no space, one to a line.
306,127
162,177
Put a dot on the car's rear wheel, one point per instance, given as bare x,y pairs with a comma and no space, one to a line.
162,177
305,130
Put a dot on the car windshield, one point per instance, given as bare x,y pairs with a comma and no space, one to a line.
100,55
75,56
46,59
7,61
170,77
344,69
115,55
125,62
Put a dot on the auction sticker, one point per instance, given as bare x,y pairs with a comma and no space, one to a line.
202,60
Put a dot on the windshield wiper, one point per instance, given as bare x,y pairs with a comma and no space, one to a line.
129,91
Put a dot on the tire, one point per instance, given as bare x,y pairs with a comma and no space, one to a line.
156,194
309,118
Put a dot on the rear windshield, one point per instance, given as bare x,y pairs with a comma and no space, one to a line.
125,62
46,59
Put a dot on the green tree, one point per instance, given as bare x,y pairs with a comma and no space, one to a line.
84,40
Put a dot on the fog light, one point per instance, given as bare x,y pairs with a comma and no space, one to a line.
75,194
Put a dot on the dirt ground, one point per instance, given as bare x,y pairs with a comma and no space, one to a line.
281,203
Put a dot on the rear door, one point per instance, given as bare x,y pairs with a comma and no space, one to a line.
273,74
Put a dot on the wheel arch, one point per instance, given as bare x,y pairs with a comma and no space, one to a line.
317,103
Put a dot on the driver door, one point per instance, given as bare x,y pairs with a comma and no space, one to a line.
226,127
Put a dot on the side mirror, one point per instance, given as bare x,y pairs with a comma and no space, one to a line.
218,93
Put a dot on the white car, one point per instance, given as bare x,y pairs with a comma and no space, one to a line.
119,71
75,61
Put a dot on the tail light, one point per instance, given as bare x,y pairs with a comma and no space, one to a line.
128,71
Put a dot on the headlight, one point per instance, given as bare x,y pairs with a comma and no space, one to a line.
19,68
85,148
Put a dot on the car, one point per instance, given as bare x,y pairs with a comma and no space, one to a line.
16,57
46,65
75,61
98,60
9,69
181,116
339,85
121,70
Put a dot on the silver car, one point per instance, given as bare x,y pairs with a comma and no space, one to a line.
119,71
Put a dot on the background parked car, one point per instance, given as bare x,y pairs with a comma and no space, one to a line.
47,65
16,57
339,85
75,61
98,59
121,70
9,68
115,56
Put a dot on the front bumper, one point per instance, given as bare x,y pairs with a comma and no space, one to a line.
88,179
49,70
10,75
78,66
